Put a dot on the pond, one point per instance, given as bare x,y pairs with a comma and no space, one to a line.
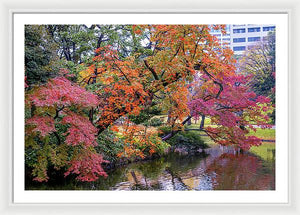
217,168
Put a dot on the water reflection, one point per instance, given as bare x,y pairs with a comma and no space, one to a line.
217,169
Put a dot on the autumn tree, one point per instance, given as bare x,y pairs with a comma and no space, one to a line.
58,133
233,111
180,67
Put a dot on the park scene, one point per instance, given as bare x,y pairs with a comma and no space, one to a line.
150,107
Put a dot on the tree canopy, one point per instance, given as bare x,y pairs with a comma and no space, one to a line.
113,73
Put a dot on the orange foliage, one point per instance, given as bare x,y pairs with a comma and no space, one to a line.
139,140
130,84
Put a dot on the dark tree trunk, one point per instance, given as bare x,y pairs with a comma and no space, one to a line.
202,122
190,121
169,118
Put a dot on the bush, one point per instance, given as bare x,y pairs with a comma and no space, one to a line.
191,140
109,145
161,146
154,122
163,130
145,115
157,146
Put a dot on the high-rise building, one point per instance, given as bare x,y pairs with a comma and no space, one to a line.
242,37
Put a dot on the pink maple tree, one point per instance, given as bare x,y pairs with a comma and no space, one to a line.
62,102
235,111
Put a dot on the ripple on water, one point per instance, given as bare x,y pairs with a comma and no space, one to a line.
220,169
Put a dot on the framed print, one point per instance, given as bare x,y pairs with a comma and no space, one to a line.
152,110
89,86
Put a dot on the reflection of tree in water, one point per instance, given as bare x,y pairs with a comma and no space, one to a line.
268,166
184,163
240,172
177,181
151,169
227,171
116,176
166,173
69,183
144,175
163,173
222,169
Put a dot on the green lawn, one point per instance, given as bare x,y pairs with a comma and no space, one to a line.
266,134
265,151
207,139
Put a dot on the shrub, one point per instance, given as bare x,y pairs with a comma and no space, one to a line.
163,130
109,144
191,140
145,115
154,122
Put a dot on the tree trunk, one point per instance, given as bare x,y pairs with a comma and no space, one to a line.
169,118
202,122
189,121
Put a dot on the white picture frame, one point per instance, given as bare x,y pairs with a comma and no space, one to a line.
11,208
279,195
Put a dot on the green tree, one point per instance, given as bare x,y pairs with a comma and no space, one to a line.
259,61
40,55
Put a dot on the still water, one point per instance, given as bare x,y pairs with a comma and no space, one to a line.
216,169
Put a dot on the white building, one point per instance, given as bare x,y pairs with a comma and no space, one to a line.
242,37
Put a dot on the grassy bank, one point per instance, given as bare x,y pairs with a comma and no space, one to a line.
264,151
266,134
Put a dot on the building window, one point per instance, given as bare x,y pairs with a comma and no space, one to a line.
227,39
253,39
239,30
239,48
237,25
239,40
271,28
217,35
254,29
